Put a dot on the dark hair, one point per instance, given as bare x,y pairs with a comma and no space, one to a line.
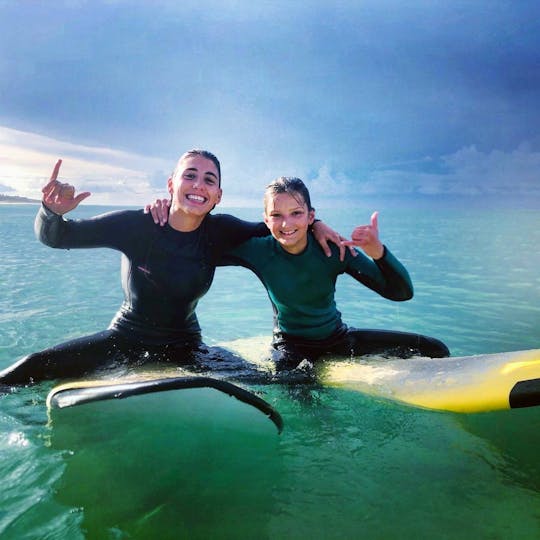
203,153
291,185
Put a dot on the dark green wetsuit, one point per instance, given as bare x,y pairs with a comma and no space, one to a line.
301,288
164,273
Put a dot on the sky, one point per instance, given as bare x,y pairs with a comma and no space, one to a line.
432,101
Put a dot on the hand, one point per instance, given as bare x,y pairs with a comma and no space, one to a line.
160,211
324,234
60,198
367,238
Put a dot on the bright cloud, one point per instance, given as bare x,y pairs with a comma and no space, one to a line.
114,177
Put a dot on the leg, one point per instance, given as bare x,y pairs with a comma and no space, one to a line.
70,359
401,344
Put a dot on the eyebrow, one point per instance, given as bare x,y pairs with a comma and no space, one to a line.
207,172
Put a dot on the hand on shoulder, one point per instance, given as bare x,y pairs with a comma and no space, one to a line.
159,209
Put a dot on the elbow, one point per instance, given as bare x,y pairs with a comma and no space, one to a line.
408,293
401,295
408,296
46,239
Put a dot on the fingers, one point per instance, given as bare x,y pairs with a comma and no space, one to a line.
325,247
53,179
67,191
56,170
159,210
58,191
81,196
375,220
342,247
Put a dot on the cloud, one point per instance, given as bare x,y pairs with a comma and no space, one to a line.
496,172
496,175
122,178
113,176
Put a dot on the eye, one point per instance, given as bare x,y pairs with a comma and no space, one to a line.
189,176
210,180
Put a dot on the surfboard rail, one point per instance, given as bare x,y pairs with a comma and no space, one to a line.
81,392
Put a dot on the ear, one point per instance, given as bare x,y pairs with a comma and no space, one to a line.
219,196
311,217
170,186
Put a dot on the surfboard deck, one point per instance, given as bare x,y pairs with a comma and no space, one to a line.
468,384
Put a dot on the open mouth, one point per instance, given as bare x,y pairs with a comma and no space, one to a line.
288,233
196,198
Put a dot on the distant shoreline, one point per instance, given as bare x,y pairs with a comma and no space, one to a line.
8,199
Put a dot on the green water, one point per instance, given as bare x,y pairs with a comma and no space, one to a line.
345,466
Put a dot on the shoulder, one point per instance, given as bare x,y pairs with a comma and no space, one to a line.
227,220
316,251
265,244
132,218
230,231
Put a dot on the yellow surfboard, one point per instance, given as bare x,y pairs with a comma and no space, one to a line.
467,384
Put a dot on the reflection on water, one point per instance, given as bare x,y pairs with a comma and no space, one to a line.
176,464
515,436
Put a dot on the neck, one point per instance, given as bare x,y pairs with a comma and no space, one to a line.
299,248
180,221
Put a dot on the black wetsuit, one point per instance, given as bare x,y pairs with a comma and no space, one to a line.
164,274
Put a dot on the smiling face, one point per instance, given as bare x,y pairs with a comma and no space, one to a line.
194,188
288,218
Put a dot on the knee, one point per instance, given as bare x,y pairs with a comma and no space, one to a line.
434,348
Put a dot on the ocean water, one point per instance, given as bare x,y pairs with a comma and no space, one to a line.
347,465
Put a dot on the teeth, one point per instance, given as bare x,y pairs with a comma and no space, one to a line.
197,198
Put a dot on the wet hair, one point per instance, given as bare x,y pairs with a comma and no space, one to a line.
203,153
291,185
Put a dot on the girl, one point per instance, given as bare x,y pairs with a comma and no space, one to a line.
300,280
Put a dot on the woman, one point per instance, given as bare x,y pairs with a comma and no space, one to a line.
164,271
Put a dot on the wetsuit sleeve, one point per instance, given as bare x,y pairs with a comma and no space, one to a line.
112,230
245,254
386,276
228,232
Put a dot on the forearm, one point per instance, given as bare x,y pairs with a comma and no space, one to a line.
386,276
112,230
398,284
49,227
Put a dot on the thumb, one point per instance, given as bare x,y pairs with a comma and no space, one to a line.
375,220
81,196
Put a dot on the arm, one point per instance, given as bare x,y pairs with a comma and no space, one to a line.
54,231
322,232
386,276
110,230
